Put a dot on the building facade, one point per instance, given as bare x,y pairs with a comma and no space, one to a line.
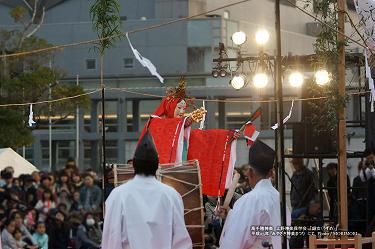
183,48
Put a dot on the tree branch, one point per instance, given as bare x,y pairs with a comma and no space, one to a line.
38,26
61,118
23,36
27,4
356,30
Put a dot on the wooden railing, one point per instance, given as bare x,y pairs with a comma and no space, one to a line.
356,241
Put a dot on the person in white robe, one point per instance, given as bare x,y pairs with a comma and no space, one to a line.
256,210
145,213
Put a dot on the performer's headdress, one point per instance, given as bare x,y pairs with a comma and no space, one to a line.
146,159
174,96
261,157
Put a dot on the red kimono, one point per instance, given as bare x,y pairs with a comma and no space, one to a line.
216,157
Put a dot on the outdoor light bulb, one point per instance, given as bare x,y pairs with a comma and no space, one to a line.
296,79
262,37
238,82
223,73
260,80
322,77
239,38
215,73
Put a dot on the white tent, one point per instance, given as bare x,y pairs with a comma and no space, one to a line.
9,157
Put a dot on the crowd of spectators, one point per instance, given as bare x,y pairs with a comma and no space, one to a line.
62,210
50,210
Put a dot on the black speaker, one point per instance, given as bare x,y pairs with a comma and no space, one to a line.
306,141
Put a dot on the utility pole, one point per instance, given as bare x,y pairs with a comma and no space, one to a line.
50,124
342,196
280,130
77,128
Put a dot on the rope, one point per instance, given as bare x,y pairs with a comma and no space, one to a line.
50,101
192,210
178,180
191,191
234,101
201,245
194,226
290,99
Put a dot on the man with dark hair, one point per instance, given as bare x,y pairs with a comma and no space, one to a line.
144,213
303,188
57,229
332,188
256,209
368,176
90,195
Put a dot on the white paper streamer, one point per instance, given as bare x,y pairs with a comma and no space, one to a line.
201,125
254,136
286,118
31,116
144,61
370,82
366,12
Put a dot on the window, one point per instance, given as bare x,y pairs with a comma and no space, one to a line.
289,2
315,6
128,63
196,60
90,64
350,4
226,14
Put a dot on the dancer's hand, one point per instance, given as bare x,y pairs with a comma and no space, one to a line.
223,212
237,135
188,122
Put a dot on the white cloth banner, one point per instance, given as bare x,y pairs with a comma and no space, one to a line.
370,82
286,118
31,116
366,12
144,61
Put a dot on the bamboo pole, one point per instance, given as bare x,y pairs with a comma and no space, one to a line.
342,195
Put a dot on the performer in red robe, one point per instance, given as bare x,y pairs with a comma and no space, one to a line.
176,142
169,126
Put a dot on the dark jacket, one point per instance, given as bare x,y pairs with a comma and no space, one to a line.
333,195
58,233
95,198
359,188
88,238
303,188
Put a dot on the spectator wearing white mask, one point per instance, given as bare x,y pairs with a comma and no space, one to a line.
88,233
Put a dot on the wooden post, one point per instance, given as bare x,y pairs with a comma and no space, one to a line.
312,241
280,130
342,195
358,242
373,240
